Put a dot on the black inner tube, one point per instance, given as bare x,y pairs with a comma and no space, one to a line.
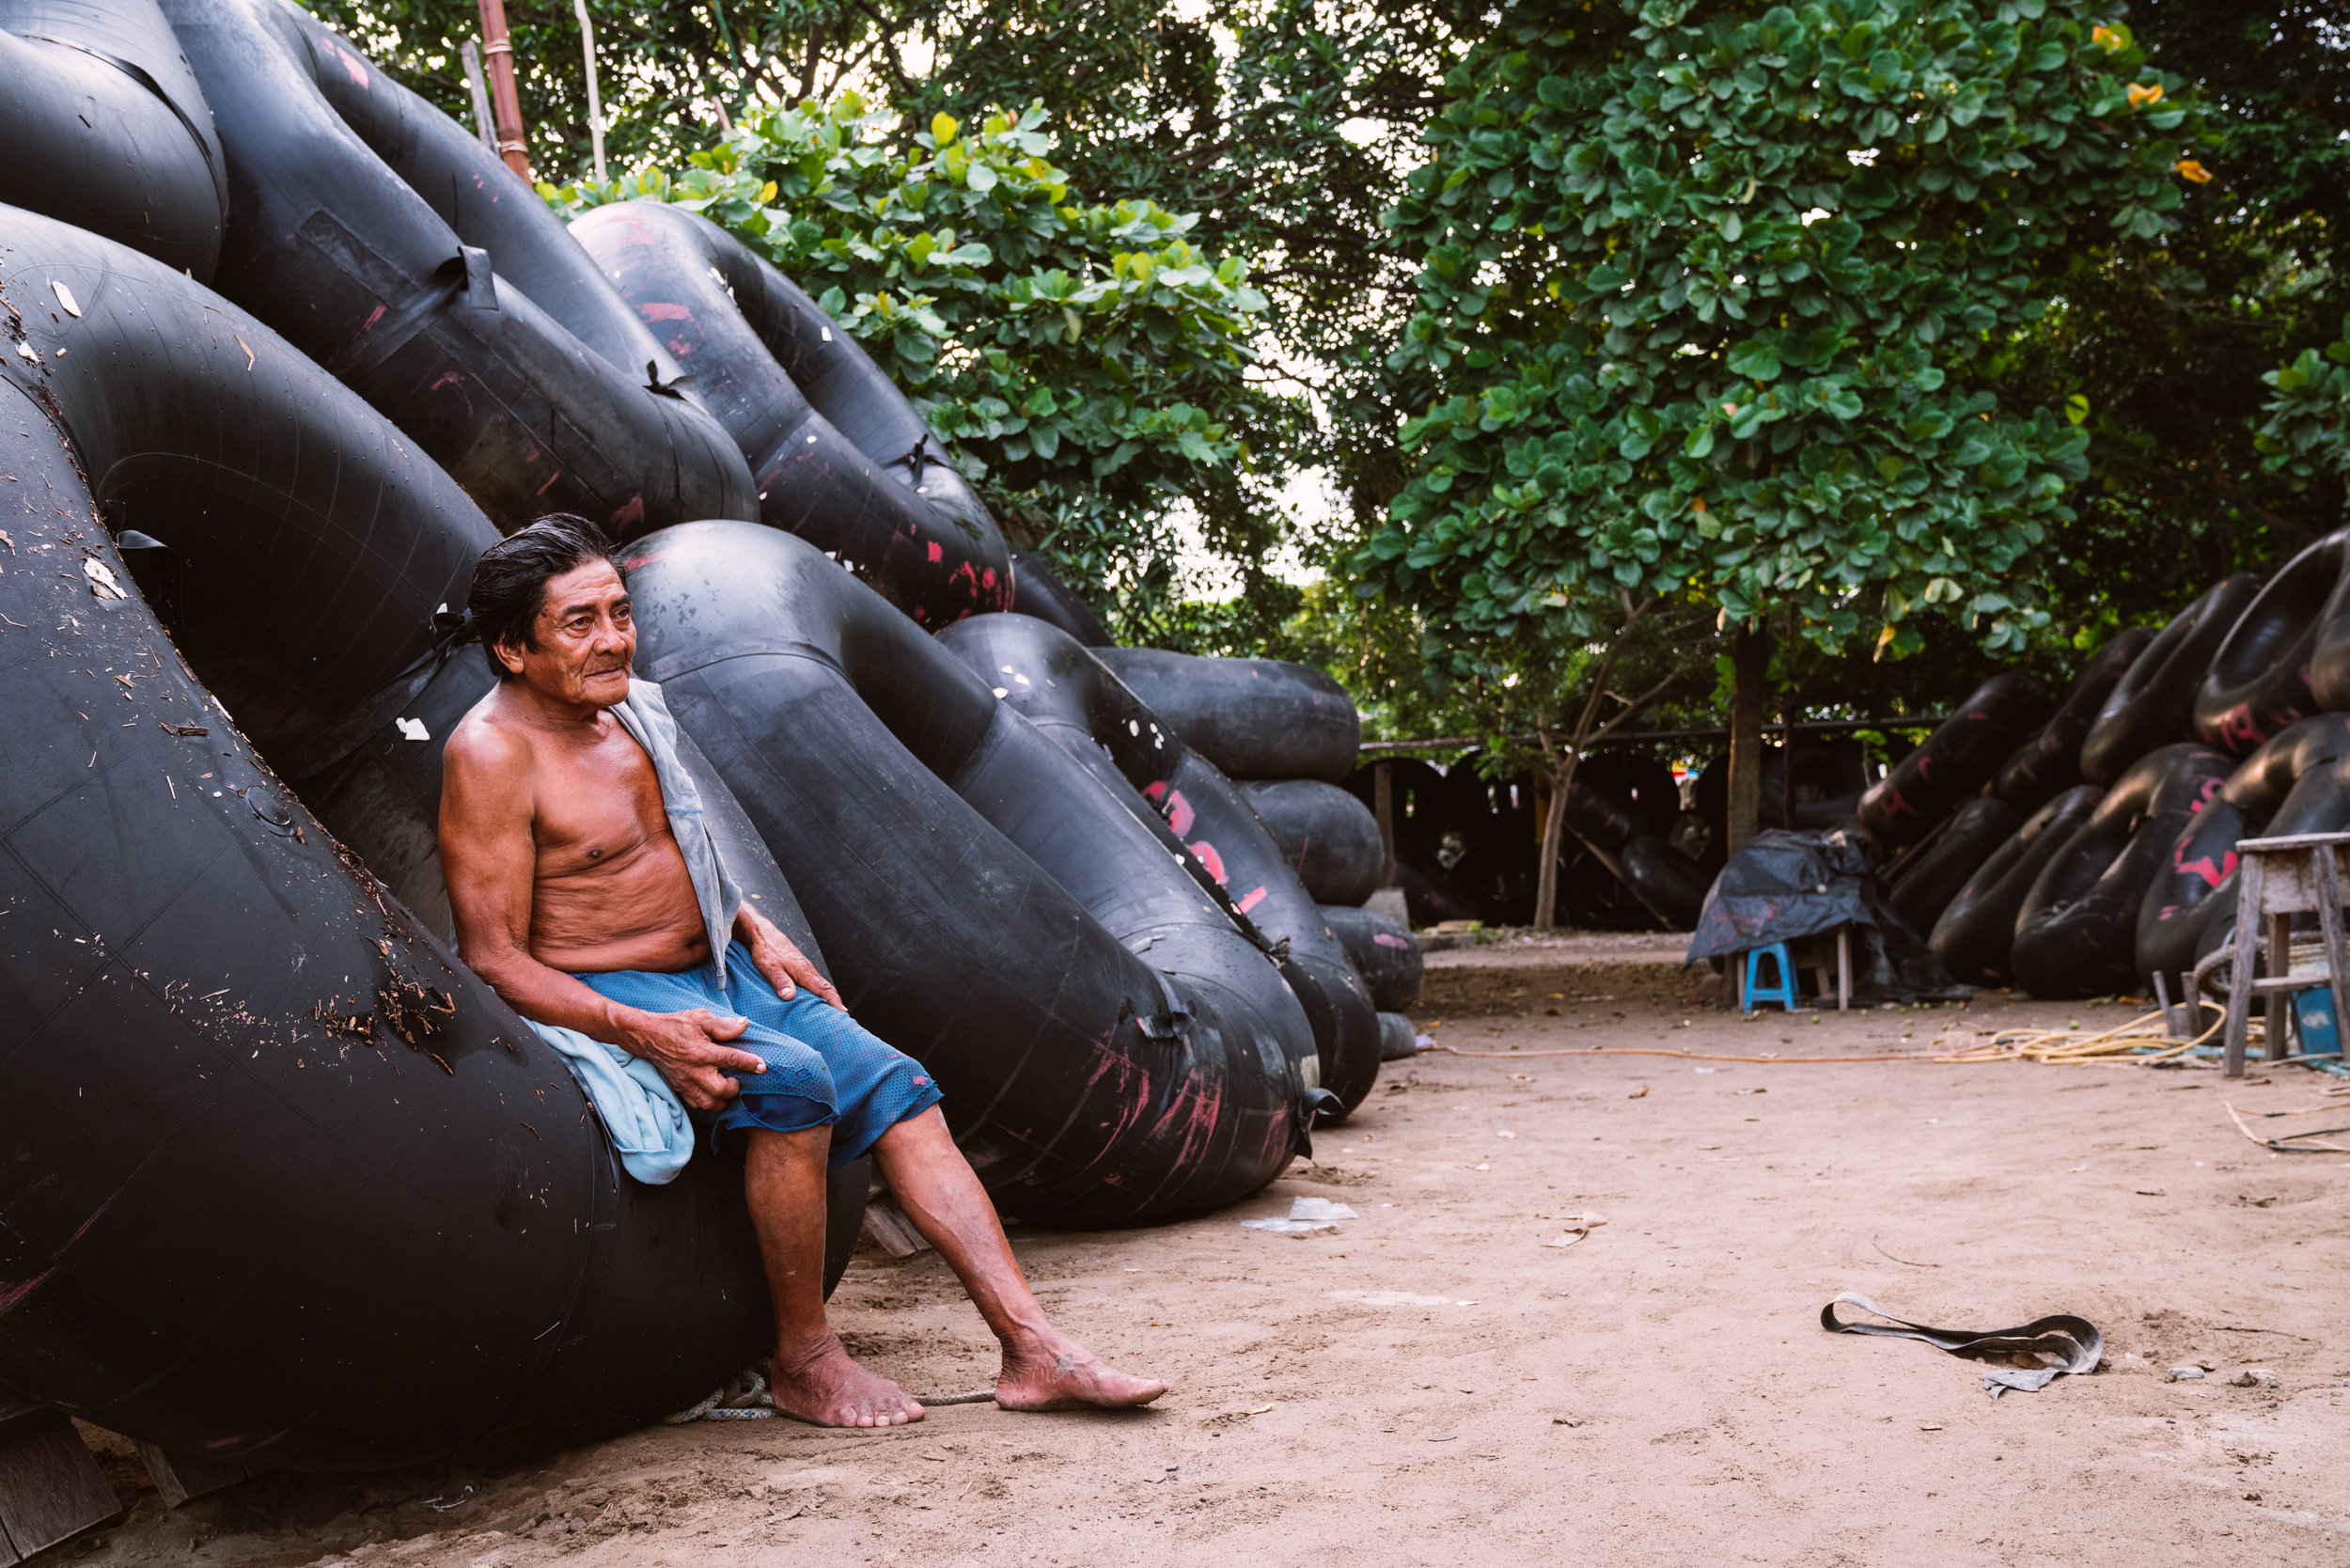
1969,837
1253,718
1112,1047
262,1119
2154,702
1038,591
105,128
1055,683
2049,762
1382,953
1975,935
1325,832
2295,781
2077,935
2258,681
1956,761
329,247
886,501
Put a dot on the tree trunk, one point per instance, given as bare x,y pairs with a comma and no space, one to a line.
1554,836
1750,678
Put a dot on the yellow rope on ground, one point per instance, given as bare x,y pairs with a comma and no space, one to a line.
2129,1039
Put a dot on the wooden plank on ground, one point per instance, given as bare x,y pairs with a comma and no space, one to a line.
51,1487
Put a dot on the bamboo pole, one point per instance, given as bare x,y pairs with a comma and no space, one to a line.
497,49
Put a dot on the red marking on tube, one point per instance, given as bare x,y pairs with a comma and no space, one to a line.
1154,791
1208,857
630,515
373,316
1383,940
987,578
1251,901
633,562
937,555
549,484
1179,813
349,62
455,379
659,311
12,1294
2213,876
680,346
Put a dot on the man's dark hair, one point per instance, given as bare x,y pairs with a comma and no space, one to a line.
509,582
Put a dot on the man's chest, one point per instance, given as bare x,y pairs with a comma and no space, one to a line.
597,805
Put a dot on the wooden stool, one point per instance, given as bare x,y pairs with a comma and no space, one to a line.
2276,879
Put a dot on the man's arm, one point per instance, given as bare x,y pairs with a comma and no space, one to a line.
490,859
778,958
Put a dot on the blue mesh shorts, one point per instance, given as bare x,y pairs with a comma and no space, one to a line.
823,1069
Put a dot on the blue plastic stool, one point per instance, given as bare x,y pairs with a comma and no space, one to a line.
1783,993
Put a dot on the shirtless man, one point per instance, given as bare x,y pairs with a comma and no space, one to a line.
574,900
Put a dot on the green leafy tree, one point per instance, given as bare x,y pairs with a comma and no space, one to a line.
1086,361
1710,299
2307,435
2167,337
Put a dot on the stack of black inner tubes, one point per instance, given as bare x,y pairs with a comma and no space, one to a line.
284,349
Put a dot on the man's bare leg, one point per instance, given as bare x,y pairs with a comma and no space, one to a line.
1043,1368
813,1377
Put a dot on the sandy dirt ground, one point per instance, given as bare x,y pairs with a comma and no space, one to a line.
1437,1383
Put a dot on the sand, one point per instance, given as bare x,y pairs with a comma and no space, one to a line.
1433,1382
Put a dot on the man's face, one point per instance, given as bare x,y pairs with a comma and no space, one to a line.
587,639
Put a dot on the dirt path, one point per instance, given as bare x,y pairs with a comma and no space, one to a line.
1433,1384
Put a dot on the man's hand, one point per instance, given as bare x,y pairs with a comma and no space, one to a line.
779,961
683,1047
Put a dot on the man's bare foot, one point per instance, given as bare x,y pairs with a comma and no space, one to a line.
1059,1373
820,1384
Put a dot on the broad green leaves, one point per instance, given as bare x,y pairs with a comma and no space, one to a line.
1087,360
1727,329
2307,428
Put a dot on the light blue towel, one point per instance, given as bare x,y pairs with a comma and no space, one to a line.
642,1113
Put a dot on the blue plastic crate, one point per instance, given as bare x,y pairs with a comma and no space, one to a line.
2313,1021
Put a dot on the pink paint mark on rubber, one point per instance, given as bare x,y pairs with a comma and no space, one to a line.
626,518
349,63
937,555
1154,791
657,311
1383,940
1179,813
373,316
1208,857
680,347
1250,901
455,379
2213,876
549,484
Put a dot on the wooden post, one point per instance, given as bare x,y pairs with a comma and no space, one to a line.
1383,807
505,104
180,1476
469,55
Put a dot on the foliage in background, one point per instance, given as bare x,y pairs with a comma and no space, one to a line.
1086,361
2306,437
1285,126
1717,315
2167,338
